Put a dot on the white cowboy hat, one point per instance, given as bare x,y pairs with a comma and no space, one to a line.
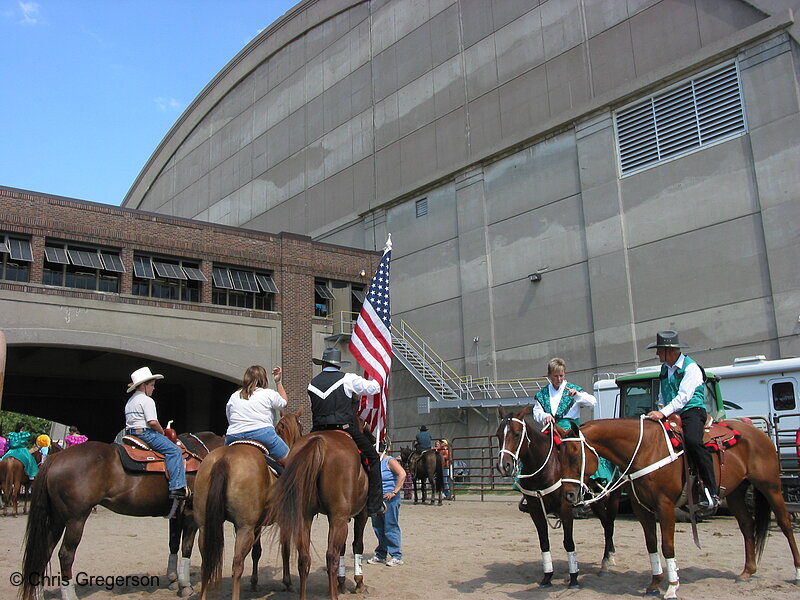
140,376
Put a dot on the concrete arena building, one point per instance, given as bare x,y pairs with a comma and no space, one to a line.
562,177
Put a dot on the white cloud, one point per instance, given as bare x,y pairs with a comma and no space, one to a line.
30,12
165,104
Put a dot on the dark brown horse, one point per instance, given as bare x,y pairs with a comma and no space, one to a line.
425,467
642,451
72,482
537,451
323,476
232,484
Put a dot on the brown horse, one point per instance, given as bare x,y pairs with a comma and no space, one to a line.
426,467
13,479
646,457
232,484
323,476
72,482
537,452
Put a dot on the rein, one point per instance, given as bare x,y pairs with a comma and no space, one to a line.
540,494
624,477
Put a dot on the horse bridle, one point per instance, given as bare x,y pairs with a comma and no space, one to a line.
624,477
515,456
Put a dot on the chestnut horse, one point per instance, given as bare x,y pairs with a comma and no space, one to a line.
232,484
323,476
72,482
647,458
13,478
537,451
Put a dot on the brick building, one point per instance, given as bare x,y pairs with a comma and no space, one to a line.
89,292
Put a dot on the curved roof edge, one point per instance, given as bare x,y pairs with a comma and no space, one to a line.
294,23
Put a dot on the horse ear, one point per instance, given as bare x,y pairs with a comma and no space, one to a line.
524,412
574,429
501,412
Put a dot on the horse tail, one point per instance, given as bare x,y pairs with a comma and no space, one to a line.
295,491
439,472
41,534
763,514
214,519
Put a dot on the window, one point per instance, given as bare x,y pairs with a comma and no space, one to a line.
691,115
243,288
322,298
81,267
358,294
15,258
167,278
783,396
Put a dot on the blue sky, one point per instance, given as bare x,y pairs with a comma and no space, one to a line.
90,87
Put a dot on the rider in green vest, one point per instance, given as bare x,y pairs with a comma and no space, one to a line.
560,403
682,391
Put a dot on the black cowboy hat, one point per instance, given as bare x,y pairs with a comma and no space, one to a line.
667,339
332,357
423,428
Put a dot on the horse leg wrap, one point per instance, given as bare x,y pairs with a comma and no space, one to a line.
547,562
655,564
68,590
672,579
184,579
797,575
172,567
341,566
572,560
358,569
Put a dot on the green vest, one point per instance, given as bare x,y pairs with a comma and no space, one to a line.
670,386
543,398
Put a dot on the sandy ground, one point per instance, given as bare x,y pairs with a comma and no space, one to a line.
464,549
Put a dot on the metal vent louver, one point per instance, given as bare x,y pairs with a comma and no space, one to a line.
702,111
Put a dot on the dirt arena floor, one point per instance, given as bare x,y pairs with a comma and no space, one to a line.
464,549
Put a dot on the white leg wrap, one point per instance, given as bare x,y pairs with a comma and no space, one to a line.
797,576
184,579
172,567
672,570
358,569
547,562
572,560
655,564
341,566
68,590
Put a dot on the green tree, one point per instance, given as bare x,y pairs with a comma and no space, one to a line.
36,425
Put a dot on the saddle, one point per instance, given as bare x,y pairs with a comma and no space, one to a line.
275,466
136,456
717,437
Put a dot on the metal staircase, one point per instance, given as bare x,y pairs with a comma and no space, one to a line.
445,387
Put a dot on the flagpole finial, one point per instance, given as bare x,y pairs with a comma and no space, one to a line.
388,245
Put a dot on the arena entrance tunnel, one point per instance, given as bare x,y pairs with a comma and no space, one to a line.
87,388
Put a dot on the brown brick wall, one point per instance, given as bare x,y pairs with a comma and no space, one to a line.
295,261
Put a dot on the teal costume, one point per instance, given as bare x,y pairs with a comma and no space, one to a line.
605,469
18,448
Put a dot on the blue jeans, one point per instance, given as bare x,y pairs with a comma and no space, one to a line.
267,436
387,529
172,455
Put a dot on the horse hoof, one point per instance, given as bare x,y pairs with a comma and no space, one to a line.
173,585
545,584
186,591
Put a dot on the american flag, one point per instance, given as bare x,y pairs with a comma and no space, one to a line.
371,345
